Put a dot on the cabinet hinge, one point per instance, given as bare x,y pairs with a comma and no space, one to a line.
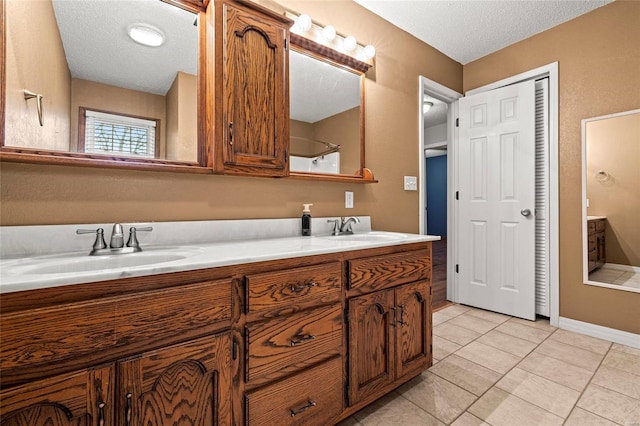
285,43
430,290
457,269
457,195
346,315
457,122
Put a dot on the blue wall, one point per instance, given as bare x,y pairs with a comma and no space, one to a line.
437,195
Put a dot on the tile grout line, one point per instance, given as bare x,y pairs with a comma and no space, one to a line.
587,386
502,376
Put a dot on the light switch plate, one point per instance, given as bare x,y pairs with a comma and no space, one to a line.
348,200
410,183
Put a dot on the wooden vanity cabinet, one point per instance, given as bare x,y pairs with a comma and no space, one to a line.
252,80
597,243
188,383
155,357
83,397
389,322
294,339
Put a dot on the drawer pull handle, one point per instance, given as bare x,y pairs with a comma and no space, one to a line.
101,413
296,340
298,288
302,409
127,413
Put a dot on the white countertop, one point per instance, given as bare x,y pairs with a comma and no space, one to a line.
596,217
34,272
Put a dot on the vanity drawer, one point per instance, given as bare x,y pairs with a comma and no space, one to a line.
285,344
591,226
313,397
593,243
73,330
374,273
600,225
283,292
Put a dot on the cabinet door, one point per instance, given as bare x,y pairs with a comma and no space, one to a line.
371,347
189,383
413,328
256,109
83,397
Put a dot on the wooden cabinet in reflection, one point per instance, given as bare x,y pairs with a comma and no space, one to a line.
597,243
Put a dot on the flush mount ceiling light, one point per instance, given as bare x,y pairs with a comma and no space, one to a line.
146,35
426,106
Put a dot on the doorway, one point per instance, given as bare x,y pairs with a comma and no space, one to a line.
438,109
431,88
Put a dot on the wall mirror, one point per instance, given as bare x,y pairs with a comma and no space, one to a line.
102,82
611,200
326,111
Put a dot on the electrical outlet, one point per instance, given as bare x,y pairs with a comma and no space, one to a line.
348,200
410,183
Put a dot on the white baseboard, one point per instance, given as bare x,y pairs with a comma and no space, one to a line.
624,268
606,333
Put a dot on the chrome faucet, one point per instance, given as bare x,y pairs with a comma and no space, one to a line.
347,224
116,245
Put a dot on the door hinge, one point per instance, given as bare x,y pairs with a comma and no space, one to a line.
457,122
457,269
457,195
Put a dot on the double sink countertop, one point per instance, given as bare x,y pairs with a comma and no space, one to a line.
25,266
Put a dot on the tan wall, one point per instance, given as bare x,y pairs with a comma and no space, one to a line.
343,129
114,99
182,118
613,146
41,68
599,67
33,194
301,129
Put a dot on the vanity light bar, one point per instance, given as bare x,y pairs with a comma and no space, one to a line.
327,36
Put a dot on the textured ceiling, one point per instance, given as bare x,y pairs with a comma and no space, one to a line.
437,114
98,48
467,30
319,90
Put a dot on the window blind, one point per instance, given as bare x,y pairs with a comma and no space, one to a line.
118,134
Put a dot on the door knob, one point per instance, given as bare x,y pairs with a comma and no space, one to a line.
525,212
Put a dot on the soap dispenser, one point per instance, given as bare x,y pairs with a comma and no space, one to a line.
306,220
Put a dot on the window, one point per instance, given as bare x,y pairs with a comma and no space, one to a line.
117,134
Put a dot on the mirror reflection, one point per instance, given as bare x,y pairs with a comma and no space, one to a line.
325,116
115,78
612,176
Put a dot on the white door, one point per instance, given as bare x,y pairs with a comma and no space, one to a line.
496,261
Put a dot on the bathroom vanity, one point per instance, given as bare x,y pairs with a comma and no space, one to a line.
322,327
596,226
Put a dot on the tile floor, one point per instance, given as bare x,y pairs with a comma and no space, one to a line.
492,369
615,276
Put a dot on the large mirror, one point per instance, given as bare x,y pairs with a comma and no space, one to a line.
103,80
611,200
326,112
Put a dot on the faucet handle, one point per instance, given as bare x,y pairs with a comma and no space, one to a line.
133,239
99,243
336,226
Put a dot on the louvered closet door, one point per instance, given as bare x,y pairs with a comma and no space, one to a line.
497,200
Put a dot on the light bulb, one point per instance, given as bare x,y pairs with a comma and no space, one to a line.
329,33
303,23
369,51
349,43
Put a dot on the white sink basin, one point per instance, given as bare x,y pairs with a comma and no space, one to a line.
368,236
83,263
